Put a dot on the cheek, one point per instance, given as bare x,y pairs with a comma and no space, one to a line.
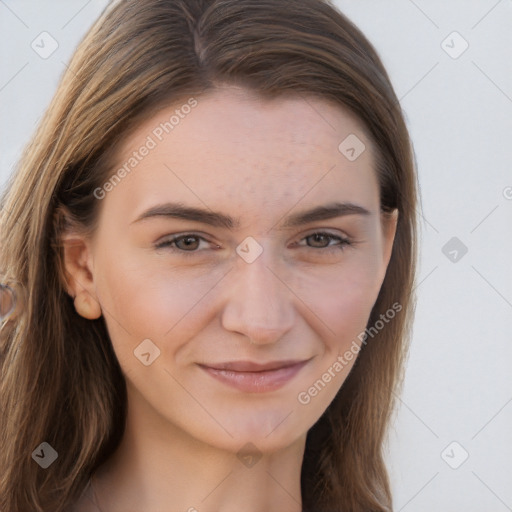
141,301
342,300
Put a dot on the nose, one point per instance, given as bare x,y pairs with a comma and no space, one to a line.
258,304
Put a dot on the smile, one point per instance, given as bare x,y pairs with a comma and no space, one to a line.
254,378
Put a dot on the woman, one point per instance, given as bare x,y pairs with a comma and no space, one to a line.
213,232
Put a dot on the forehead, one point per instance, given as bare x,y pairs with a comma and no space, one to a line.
234,146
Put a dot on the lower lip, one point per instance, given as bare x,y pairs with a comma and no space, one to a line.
256,382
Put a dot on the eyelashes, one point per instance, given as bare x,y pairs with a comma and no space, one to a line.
172,243
189,243
341,242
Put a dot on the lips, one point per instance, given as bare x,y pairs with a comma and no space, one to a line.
249,366
252,377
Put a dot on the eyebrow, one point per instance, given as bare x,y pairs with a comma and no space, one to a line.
218,219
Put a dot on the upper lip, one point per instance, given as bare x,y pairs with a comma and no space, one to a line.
250,366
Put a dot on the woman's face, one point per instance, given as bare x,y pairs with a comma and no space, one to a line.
265,245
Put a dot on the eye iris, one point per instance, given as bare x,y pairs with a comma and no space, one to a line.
319,240
190,242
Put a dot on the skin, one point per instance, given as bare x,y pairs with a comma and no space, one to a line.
259,161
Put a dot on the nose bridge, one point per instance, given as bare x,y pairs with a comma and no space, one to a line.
258,304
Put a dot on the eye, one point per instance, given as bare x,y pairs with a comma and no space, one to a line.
323,240
189,242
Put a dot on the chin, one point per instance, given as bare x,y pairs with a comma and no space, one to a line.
268,430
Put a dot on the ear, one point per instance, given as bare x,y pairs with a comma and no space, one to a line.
389,221
77,261
79,275
7,301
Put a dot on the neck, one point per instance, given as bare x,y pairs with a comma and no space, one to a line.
167,470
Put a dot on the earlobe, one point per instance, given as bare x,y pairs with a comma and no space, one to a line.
87,306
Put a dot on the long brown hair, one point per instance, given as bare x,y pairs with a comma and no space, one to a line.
60,380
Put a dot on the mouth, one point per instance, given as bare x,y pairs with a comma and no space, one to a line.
251,377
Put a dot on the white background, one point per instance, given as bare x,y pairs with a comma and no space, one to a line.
458,385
